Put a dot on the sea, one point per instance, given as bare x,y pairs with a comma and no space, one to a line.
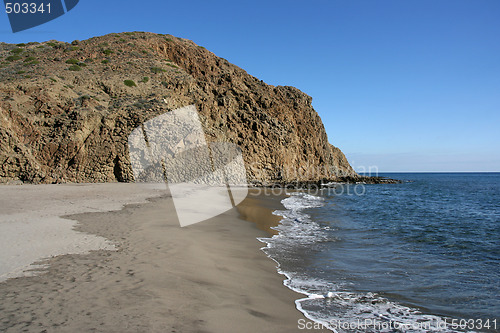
419,256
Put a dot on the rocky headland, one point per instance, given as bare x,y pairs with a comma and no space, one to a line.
67,109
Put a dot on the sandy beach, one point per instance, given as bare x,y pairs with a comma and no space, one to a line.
207,277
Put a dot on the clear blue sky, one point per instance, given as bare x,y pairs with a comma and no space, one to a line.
404,85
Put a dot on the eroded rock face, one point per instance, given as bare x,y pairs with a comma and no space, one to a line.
66,112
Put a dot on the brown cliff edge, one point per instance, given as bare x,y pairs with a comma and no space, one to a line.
66,111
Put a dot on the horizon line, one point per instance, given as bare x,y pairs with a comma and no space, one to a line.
430,172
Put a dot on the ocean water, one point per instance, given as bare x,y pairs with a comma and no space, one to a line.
421,256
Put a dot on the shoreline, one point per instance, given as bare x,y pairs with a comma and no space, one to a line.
207,277
266,202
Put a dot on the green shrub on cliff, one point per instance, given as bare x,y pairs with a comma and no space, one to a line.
157,70
13,58
75,68
17,50
129,83
28,61
34,62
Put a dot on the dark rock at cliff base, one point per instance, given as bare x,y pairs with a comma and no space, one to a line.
67,110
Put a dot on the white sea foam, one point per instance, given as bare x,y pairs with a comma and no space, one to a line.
327,302
296,226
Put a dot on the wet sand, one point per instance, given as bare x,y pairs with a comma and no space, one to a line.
206,277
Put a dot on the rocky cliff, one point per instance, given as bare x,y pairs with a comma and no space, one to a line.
66,110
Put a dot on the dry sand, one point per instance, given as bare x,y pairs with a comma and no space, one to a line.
31,227
207,277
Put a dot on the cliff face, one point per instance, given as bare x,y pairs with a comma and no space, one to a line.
66,110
